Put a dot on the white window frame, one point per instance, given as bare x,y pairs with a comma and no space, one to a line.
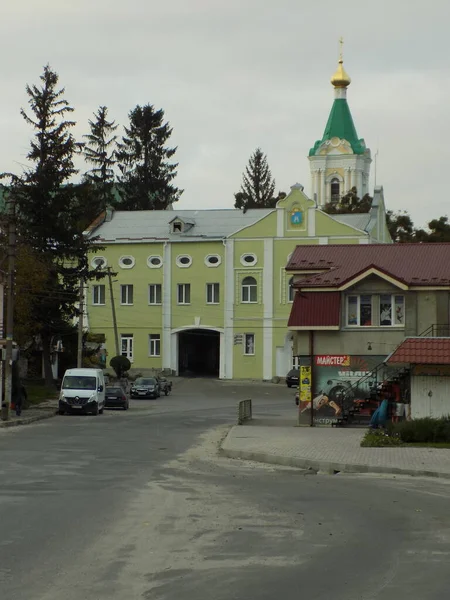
125,291
180,264
213,265
129,343
246,337
124,266
149,262
249,264
375,311
248,287
154,345
97,291
393,315
184,287
213,287
155,287
95,259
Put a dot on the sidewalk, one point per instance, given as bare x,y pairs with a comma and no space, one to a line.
330,450
45,410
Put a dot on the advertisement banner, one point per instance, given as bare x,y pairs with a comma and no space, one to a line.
305,384
339,383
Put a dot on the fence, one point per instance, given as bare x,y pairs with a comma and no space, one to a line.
244,411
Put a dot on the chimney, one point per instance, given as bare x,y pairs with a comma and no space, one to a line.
109,213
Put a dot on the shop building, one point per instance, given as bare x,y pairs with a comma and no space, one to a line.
353,307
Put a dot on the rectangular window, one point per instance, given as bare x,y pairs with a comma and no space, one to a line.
98,294
154,341
126,345
126,294
154,293
373,310
184,293
249,344
291,290
212,293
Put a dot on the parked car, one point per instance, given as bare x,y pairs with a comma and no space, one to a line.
293,377
165,385
145,387
115,397
83,391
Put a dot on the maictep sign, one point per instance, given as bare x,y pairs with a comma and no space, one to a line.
332,360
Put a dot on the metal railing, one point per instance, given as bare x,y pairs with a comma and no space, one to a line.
244,411
436,331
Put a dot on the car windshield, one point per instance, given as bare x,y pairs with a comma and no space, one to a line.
145,381
114,390
79,382
293,373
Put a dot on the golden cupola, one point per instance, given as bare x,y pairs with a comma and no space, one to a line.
341,79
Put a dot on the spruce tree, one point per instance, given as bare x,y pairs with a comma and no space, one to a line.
258,186
99,151
49,210
146,175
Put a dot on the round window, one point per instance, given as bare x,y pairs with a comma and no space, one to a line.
248,260
154,262
98,262
126,262
184,261
213,260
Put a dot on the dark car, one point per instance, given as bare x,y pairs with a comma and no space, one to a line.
293,378
115,397
145,387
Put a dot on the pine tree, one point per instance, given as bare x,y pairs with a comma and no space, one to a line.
146,175
99,151
49,210
258,186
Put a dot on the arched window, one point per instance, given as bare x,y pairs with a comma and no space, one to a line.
291,290
249,290
335,189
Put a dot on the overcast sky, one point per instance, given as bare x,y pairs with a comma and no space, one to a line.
232,75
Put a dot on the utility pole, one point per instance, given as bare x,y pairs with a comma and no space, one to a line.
80,326
113,308
9,308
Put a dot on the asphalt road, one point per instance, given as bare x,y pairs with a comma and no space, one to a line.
137,505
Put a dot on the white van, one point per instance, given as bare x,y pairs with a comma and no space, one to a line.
82,390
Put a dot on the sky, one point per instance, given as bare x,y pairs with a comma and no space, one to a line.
234,75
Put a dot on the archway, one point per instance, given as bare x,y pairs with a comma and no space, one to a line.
199,353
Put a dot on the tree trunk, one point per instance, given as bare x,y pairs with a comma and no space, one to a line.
46,356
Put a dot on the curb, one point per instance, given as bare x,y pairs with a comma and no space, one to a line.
329,468
28,420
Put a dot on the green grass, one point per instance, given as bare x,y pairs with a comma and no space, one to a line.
38,392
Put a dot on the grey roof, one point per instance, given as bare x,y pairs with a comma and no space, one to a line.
357,220
149,225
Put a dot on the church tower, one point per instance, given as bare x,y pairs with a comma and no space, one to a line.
339,161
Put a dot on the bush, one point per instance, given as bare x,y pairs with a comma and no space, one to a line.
423,431
120,364
377,438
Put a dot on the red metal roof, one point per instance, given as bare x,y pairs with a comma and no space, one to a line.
411,264
423,350
316,309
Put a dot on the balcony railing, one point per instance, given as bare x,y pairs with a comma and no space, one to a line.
436,331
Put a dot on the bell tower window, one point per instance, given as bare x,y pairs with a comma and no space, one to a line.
335,191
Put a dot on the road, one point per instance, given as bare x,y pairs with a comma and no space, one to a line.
137,505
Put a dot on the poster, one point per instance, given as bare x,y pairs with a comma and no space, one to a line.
339,383
305,384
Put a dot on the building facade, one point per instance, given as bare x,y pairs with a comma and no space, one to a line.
207,291
354,307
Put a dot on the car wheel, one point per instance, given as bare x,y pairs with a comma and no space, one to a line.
95,410
289,385
61,412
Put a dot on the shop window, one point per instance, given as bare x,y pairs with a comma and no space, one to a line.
249,344
373,310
